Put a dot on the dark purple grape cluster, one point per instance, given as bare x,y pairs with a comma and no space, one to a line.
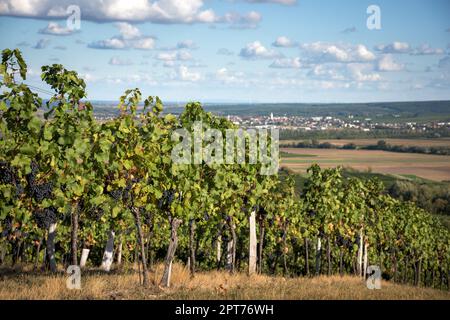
45,217
342,241
166,200
116,194
7,226
31,177
312,213
19,189
42,191
96,213
7,173
126,192
39,191
262,213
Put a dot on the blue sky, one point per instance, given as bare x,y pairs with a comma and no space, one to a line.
240,50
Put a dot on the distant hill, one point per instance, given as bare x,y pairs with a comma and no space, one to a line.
414,111
386,111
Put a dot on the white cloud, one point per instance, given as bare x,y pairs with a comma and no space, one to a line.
207,16
186,44
129,78
184,74
358,72
284,42
228,77
88,77
117,61
387,63
255,50
287,63
363,54
146,43
425,49
319,52
327,71
130,37
332,85
238,21
54,28
344,73
394,47
128,31
158,11
181,55
113,43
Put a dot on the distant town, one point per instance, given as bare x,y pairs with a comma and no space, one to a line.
329,123
417,117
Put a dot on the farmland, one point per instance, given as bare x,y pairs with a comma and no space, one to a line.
431,167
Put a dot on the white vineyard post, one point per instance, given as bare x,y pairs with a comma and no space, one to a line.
218,249
360,253
51,246
84,257
253,243
318,255
366,245
230,254
108,255
119,254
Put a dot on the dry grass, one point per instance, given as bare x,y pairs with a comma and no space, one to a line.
432,167
24,284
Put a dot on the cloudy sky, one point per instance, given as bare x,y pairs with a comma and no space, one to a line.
239,50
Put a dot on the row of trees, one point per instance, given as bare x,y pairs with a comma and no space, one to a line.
94,192
376,133
381,145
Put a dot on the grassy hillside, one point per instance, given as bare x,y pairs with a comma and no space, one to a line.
23,284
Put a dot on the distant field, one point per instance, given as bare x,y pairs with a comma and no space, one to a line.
442,142
432,167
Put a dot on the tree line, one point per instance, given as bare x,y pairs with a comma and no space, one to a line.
380,145
290,134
